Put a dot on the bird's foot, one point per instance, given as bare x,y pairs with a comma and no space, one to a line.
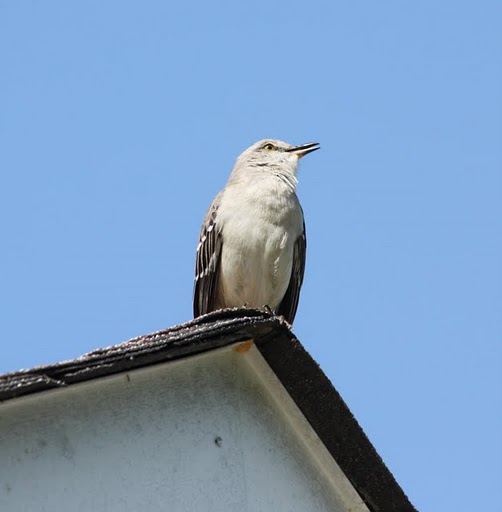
267,309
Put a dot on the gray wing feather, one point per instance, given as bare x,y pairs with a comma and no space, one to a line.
287,308
207,262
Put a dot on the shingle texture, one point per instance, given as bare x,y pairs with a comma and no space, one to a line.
309,387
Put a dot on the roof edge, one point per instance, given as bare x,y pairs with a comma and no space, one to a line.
301,376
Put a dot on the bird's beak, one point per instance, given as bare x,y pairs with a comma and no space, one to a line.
304,149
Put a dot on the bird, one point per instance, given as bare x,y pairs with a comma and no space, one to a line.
252,244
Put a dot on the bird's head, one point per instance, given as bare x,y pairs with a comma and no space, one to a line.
274,156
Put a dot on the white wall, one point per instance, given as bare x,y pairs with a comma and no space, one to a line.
145,441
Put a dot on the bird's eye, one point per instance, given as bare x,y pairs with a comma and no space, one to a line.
269,147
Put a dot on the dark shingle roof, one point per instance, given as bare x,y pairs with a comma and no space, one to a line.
298,372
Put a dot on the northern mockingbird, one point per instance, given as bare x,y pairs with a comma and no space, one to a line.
252,243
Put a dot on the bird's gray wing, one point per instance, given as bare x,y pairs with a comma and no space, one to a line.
207,262
287,308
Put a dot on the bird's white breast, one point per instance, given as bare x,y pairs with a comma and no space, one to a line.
258,244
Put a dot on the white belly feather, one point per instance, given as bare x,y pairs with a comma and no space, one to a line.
257,251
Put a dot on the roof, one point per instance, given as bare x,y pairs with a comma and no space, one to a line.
301,376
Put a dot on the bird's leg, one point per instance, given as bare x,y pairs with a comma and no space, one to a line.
268,309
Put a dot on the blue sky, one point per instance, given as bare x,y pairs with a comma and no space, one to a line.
121,120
